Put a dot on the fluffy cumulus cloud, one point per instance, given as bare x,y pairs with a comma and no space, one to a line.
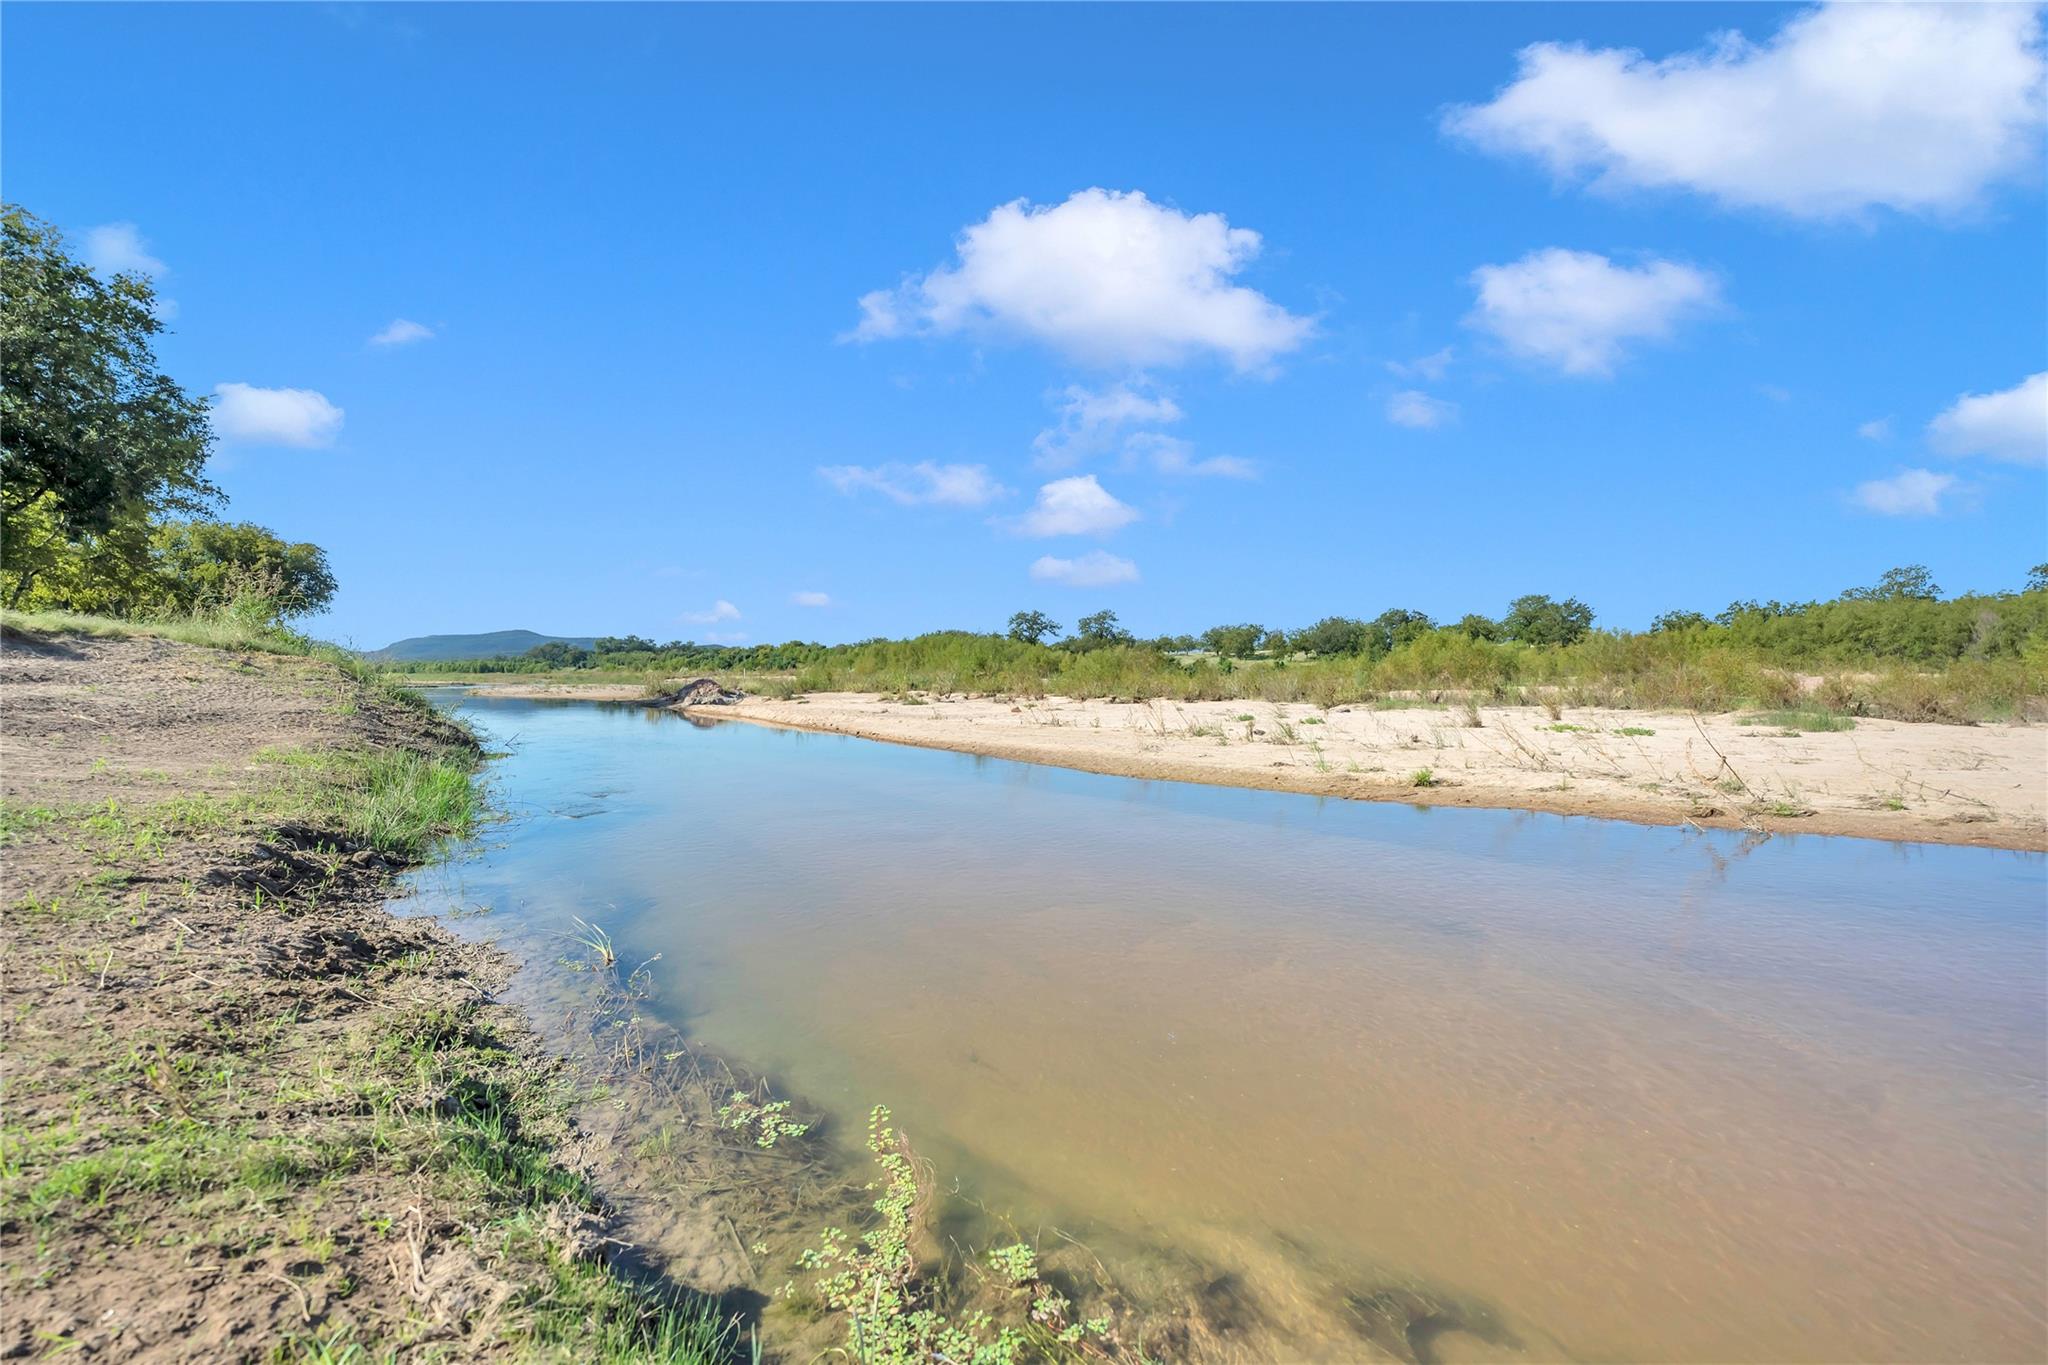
811,599
1078,506
402,332
721,610
943,485
1414,408
2009,425
1092,420
1848,107
1908,493
274,417
1578,310
1106,278
119,249
1096,569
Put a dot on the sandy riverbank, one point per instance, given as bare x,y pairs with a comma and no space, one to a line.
1982,785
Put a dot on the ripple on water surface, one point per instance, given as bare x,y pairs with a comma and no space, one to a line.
1586,1088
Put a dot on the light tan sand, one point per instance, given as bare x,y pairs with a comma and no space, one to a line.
1984,784
1952,784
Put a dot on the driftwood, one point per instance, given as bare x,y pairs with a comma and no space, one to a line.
697,692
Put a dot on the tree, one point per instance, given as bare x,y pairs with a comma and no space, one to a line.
2037,578
1234,642
212,563
1333,636
1394,628
1908,582
1476,627
92,434
623,644
1033,627
1679,620
1101,628
1537,620
556,654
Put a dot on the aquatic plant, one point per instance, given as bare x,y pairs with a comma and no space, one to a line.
890,1316
769,1123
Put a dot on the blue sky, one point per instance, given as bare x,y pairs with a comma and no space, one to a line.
1367,309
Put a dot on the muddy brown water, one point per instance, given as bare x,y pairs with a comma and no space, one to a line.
1613,1091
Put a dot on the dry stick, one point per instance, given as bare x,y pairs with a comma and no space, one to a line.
745,1259
305,1304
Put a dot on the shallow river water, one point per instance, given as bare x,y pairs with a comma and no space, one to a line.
1631,1092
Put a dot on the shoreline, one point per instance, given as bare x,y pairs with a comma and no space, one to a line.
1983,786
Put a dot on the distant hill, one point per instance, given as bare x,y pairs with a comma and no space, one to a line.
496,644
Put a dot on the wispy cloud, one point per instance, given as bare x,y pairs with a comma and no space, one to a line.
1432,367
1877,429
1096,569
1414,408
278,417
1171,455
1091,420
1908,493
811,599
721,610
944,485
402,332
120,249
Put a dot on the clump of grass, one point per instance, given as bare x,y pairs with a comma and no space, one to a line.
1634,731
1422,777
1799,721
1564,728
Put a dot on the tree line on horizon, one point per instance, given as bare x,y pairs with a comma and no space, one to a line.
1901,619
105,507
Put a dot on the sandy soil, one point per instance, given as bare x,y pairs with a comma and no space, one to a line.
1983,785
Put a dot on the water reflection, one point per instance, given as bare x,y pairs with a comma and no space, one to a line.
1448,1083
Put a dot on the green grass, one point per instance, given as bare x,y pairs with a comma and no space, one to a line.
1819,722
1669,671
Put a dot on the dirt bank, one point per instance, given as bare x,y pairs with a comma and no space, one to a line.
249,1115
1982,785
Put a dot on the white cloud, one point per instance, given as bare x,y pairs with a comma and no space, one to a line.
2009,425
1091,418
811,599
1876,429
402,332
1432,367
1096,569
945,485
1577,309
1777,393
1908,493
1107,278
1171,455
120,249
277,417
1848,107
721,610
1075,507
1413,408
